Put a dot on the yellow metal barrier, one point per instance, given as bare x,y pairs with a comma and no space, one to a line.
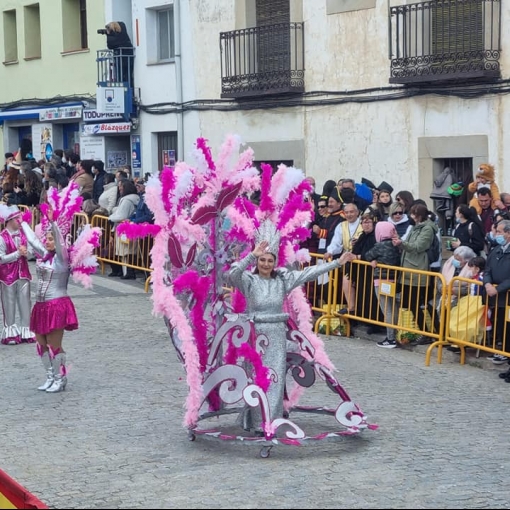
413,291
321,295
415,301
470,323
79,221
118,249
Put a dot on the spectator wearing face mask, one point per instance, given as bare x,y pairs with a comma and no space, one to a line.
469,230
496,279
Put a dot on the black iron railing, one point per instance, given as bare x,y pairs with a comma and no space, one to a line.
115,68
263,60
445,40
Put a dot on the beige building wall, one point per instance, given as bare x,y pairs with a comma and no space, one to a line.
347,49
40,51
57,70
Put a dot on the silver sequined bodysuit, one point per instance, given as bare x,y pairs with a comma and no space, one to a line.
265,299
52,272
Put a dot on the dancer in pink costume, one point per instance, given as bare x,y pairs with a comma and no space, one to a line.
15,278
54,311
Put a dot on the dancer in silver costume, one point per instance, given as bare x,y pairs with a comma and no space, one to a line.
54,311
14,279
265,291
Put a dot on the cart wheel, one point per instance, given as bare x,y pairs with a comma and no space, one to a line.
191,435
265,451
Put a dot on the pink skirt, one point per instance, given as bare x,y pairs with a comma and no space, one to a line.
54,314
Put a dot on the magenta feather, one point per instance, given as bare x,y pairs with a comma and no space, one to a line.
261,377
168,186
266,202
202,145
27,216
138,230
199,287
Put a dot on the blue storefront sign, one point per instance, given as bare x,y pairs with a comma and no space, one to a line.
136,155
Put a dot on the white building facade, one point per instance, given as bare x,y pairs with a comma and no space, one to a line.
389,90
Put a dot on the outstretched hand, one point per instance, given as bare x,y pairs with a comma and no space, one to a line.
347,256
261,249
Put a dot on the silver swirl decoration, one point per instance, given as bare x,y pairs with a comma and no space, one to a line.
233,381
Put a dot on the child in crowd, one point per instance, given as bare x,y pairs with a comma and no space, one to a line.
470,317
484,178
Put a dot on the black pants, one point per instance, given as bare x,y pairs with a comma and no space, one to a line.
500,328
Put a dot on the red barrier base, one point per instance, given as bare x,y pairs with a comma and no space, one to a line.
13,495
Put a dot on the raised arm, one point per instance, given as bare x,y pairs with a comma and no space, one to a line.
294,279
238,276
33,240
60,245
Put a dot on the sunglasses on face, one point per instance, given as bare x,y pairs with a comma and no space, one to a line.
397,213
322,206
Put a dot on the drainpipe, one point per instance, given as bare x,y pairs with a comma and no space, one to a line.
178,79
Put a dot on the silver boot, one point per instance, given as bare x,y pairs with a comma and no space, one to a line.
60,374
50,377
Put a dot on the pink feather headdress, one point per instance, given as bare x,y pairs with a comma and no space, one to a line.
65,205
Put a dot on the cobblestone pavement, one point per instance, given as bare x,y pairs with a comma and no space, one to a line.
114,438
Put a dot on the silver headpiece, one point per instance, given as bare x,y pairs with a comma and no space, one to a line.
268,232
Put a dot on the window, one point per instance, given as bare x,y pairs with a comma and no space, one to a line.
160,35
462,170
10,37
165,30
74,27
32,31
166,141
83,24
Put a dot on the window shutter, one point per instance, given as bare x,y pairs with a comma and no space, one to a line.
273,42
457,26
272,12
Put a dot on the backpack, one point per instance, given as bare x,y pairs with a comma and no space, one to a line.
435,250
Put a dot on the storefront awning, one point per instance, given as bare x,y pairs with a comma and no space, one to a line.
30,113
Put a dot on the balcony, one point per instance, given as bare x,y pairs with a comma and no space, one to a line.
115,68
263,61
115,73
445,40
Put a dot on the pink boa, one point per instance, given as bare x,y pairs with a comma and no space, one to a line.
138,230
200,287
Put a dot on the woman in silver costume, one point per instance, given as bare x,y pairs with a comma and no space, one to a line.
265,290
53,311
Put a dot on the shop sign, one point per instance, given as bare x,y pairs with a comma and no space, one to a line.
63,112
111,128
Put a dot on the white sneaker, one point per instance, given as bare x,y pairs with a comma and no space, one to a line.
498,359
